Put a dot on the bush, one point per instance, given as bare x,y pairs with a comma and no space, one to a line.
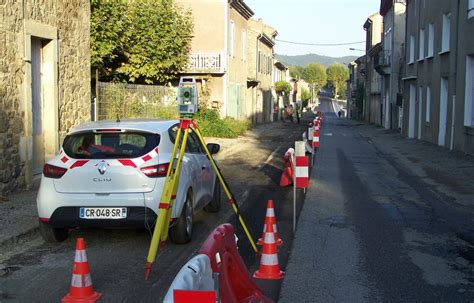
282,87
212,126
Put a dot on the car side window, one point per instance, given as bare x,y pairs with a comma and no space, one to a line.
193,145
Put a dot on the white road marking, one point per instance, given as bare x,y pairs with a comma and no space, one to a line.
269,157
245,195
328,134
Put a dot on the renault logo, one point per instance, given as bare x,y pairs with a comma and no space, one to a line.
102,167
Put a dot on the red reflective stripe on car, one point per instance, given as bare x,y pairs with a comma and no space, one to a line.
79,163
146,158
127,162
44,219
164,206
64,159
156,149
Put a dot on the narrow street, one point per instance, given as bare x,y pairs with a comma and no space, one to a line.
379,225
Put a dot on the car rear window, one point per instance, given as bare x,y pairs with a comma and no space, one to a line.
109,145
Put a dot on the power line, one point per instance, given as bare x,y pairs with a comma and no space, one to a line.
320,44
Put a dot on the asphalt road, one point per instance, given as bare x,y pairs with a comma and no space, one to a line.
252,166
377,226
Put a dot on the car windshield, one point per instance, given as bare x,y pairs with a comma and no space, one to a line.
110,145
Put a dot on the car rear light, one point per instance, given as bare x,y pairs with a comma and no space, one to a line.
156,170
51,171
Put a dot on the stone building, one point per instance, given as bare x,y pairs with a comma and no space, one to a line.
44,83
260,56
439,73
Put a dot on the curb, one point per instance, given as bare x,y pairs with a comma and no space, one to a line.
8,245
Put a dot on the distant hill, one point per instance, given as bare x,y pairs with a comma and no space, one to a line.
302,60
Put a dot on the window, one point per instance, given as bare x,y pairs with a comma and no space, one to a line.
469,105
412,50
231,38
428,104
446,33
109,145
421,45
244,45
470,9
430,40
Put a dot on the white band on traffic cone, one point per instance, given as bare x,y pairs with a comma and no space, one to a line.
270,212
269,259
80,256
269,238
77,280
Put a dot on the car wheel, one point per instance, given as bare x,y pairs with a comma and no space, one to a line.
182,231
51,234
215,204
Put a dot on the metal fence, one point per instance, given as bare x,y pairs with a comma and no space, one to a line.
121,100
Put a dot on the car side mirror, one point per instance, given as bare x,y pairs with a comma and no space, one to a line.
213,148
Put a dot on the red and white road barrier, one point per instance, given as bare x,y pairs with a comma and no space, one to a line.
302,164
316,137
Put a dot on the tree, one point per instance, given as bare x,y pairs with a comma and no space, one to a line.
315,74
146,41
337,77
305,96
282,87
296,71
107,28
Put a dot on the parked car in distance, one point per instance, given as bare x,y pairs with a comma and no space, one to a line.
111,174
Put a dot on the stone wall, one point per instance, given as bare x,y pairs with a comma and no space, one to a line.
70,19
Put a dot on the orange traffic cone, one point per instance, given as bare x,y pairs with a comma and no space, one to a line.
269,268
81,290
270,219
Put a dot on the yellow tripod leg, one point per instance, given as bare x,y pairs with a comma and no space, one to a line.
168,195
224,184
177,174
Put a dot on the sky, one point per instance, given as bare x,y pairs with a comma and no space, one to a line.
316,22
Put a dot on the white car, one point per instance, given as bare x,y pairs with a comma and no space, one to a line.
110,174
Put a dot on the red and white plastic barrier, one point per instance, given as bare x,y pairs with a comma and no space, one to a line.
287,175
302,163
235,282
193,283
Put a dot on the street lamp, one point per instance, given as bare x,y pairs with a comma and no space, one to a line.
356,49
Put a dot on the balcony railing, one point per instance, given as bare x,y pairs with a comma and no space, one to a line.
206,63
384,58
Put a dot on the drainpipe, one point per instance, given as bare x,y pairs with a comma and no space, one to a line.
453,116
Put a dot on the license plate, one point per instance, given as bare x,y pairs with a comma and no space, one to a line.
103,212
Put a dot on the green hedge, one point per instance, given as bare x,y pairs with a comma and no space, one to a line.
212,126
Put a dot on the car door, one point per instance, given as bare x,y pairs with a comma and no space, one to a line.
207,173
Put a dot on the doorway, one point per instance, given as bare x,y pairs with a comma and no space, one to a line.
411,112
443,111
44,111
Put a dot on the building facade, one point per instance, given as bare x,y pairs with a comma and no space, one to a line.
373,106
44,83
387,62
439,73
219,52
356,92
260,56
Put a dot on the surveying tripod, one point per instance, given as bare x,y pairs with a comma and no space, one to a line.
168,196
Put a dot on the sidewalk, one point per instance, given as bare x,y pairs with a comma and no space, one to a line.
325,260
18,222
